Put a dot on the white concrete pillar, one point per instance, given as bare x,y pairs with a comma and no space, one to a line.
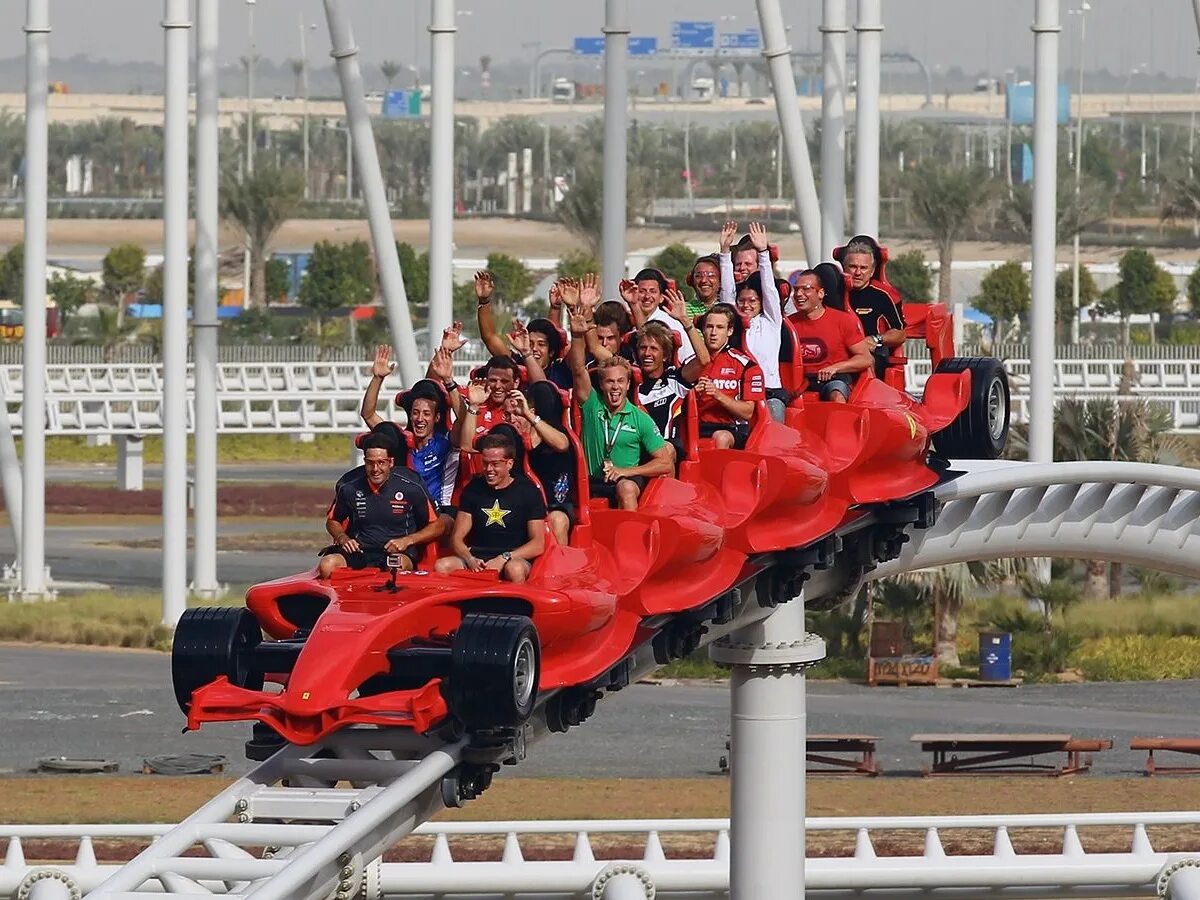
131,467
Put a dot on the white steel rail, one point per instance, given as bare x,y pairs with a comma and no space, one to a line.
1134,513
1071,872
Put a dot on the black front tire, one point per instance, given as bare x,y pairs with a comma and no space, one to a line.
981,430
210,642
495,664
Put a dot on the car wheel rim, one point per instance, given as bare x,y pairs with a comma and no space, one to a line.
996,409
524,673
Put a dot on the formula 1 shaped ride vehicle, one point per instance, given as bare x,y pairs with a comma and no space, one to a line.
467,652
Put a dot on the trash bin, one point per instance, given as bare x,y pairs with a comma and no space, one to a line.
995,656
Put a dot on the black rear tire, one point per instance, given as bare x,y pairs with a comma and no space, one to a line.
981,430
210,642
495,664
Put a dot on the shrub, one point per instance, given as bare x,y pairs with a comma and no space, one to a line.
1138,657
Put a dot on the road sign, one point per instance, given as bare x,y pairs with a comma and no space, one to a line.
402,105
748,40
697,37
588,46
643,46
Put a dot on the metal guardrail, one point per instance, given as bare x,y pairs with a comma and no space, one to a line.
1072,872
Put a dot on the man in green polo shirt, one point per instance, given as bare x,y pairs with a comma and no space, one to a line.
623,446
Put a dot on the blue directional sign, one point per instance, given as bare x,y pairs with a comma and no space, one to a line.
643,46
694,36
750,39
588,46
402,105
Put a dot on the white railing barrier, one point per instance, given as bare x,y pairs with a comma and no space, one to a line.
1071,872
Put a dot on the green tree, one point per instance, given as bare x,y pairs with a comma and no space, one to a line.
675,261
947,200
1193,290
12,273
415,268
581,210
910,275
109,330
514,282
276,280
259,205
69,293
1064,304
1143,287
577,263
1003,295
152,287
339,276
123,270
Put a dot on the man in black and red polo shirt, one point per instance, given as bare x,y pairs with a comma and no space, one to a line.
730,385
382,511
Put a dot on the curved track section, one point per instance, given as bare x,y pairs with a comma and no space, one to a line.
1145,515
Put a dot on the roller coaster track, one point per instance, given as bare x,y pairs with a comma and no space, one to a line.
322,839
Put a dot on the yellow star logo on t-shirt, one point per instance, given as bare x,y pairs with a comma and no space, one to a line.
495,515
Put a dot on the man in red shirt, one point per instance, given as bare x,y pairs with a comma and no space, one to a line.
485,406
832,344
731,383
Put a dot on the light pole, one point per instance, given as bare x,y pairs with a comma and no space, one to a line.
1083,8
247,263
1140,67
304,86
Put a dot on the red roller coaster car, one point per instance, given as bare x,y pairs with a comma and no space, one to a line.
466,651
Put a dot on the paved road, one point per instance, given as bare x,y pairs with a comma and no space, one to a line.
295,473
119,705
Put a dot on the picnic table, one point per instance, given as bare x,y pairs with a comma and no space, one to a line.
1007,754
1190,746
833,754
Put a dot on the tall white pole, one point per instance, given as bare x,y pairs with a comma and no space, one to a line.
1045,196
204,318
616,125
866,152
767,741
304,87
175,302
442,29
833,127
778,55
251,60
33,404
391,280
1083,10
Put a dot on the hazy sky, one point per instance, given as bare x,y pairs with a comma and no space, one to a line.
990,35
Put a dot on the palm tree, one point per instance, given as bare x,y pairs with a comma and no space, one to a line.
298,66
108,330
1181,200
1075,213
390,69
947,200
581,210
947,588
259,205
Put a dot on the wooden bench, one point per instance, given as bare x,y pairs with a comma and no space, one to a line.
1190,746
1007,754
855,754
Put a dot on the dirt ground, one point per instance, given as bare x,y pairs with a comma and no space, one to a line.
478,237
233,500
148,799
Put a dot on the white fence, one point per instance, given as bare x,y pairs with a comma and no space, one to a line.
1069,870
313,397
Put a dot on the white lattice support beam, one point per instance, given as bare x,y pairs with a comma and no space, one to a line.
1146,515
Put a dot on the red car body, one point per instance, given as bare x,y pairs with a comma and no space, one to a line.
691,540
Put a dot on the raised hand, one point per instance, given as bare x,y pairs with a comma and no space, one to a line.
452,339
758,236
485,286
674,304
569,288
728,232
555,297
442,365
382,366
518,337
579,325
477,392
628,290
589,291
520,405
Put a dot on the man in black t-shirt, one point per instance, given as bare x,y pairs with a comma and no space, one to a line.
872,299
381,511
501,518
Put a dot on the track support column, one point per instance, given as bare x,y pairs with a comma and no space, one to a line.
768,737
616,141
442,31
833,127
866,151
